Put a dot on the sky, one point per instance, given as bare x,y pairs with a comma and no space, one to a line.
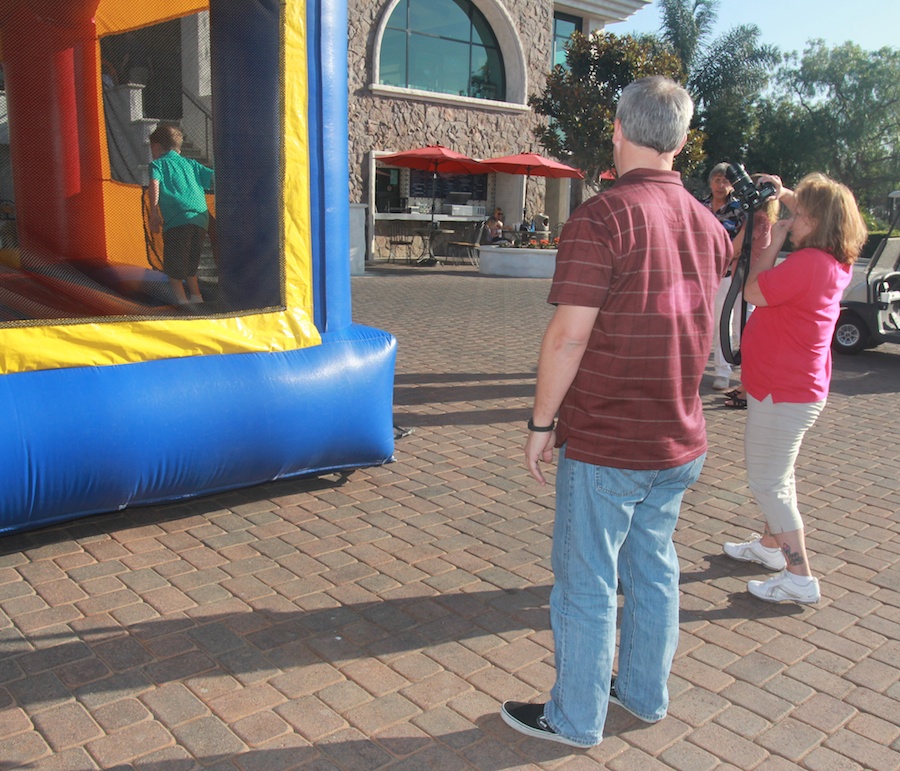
788,24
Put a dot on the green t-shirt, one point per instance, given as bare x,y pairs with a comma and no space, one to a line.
182,186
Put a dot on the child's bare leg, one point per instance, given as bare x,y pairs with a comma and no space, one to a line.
193,286
178,290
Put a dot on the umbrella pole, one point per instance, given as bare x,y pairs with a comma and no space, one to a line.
525,207
433,192
428,253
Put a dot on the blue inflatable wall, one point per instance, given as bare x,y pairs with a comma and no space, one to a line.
85,439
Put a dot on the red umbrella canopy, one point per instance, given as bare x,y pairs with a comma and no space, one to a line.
532,164
435,158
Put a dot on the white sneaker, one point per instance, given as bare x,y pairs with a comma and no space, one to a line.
721,383
754,551
783,588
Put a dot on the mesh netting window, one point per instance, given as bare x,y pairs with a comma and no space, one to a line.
99,222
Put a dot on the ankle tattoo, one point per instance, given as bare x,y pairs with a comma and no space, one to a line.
792,557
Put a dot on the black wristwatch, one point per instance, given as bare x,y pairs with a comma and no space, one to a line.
540,429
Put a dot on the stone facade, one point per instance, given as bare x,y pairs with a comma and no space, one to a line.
390,124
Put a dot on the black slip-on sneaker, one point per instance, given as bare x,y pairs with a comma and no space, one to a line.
529,719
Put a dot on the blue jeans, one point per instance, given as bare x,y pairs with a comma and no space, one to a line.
613,525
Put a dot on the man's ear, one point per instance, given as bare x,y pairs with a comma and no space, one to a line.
617,131
681,146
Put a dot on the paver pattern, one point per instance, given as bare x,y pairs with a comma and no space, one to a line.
377,619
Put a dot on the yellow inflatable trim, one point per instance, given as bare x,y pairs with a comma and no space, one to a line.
75,344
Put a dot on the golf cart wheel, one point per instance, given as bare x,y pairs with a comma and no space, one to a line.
850,334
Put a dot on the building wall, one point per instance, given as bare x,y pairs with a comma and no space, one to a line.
380,123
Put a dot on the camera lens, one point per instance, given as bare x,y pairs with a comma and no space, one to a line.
740,180
745,190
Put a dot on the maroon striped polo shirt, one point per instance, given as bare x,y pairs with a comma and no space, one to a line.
649,256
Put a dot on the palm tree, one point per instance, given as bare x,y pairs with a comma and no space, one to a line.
726,75
687,24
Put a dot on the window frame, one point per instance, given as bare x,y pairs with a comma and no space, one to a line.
577,21
510,48
462,49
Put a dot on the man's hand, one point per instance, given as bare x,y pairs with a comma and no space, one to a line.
538,448
563,346
155,221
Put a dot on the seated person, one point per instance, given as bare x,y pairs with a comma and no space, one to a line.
494,227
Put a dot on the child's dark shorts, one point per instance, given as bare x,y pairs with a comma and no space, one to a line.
181,250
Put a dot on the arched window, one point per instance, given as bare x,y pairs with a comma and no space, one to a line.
443,46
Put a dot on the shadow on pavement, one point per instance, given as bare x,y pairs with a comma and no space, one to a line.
871,372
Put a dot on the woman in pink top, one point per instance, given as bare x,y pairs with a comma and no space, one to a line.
786,371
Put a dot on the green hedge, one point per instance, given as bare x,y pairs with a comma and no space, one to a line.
875,238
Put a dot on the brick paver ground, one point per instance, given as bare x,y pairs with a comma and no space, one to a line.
377,619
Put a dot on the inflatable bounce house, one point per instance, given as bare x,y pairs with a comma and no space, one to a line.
112,392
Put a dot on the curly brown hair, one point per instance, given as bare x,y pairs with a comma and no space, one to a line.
839,228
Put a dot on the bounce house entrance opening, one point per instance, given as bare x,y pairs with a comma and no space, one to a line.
102,224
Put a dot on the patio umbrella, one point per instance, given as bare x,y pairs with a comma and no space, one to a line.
438,160
532,164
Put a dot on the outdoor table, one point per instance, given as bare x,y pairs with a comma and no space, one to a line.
429,236
420,225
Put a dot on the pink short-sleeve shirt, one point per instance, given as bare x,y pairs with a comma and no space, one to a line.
786,347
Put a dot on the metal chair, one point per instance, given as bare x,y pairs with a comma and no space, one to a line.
399,238
467,249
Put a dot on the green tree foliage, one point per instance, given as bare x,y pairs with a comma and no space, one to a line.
686,26
725,76
788,142
727,82
837,111
580,99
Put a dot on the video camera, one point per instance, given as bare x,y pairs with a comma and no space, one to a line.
751,196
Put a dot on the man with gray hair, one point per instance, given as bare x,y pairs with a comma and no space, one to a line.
620,365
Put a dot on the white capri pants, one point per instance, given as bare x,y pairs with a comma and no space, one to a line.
772,441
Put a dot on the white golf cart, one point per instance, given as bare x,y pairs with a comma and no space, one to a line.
870,308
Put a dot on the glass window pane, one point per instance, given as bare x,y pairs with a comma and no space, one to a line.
482,34
393,58
438,65
444,46
559,52
487,74
444,18
564,26
398,16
